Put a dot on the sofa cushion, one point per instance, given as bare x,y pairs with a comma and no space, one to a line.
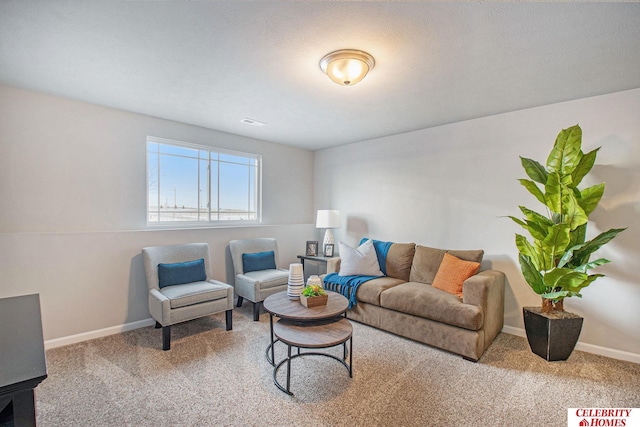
473,255
426,261
452,273
399,260
370,290
425,264
426,301
360,261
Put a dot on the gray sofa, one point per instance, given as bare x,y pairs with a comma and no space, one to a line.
404,302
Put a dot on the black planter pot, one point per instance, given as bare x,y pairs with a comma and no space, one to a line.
550,336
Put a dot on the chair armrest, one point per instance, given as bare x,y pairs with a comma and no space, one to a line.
159,307
229,291
486,290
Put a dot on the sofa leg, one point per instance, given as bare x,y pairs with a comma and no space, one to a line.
256,311
166,338
229,319
239,303
470,359
158,325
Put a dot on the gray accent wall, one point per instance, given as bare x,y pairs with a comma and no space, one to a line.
452,186
73,209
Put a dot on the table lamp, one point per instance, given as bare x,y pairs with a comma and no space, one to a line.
328,219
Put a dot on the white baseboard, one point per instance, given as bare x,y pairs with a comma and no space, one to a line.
72,339
588,348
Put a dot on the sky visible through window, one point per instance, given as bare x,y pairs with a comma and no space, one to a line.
184,182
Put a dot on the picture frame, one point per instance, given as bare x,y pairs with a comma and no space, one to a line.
312,248
328,250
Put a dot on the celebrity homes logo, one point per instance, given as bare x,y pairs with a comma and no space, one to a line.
603,417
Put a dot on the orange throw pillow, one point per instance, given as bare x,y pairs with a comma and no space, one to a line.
452,272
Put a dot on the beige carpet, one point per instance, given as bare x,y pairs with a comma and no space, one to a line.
212,377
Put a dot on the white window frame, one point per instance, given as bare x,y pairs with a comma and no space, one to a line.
209,221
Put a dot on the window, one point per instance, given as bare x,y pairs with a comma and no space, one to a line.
189,183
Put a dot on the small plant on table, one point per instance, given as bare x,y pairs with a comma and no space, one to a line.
313,296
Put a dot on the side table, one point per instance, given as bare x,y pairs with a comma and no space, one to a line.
22,359
318,327
327,262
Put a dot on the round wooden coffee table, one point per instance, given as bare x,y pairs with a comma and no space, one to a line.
308,328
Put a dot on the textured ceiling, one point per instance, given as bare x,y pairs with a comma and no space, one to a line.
214,63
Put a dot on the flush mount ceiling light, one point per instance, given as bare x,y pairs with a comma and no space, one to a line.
348,66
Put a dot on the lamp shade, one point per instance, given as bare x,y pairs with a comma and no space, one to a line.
328,219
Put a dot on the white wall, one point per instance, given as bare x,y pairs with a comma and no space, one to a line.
451,186
73,207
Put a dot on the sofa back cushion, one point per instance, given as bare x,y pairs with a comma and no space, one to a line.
453,272
399,260
426,261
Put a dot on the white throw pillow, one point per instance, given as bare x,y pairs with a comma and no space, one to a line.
360,261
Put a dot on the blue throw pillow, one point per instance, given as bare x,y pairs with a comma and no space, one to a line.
181,272
258,261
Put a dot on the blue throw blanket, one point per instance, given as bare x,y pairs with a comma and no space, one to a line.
348,285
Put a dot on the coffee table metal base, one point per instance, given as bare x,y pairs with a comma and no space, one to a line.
323,334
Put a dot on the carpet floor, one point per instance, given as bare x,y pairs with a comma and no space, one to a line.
213,377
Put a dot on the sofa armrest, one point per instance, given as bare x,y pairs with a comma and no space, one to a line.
333,265
486,290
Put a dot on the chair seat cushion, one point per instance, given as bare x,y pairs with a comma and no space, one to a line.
193,293
266,279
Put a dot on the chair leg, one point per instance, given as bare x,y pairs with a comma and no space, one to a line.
256,311
166,338
240,299
229,319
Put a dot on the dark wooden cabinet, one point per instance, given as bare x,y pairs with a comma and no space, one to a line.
22,359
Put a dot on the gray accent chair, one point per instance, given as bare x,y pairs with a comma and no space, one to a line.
256,285
178,303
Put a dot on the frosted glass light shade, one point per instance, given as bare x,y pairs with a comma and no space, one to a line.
347,67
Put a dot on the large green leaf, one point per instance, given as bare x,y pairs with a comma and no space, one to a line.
566,257
536,224
561,278
572,213
566,153
533,216
531,275
518,221
533,189
555,244
589,280
527,249
584,166
553,192
578,236
581,256
534,170
592,264
590,197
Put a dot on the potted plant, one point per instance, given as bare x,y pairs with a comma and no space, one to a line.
555,263
313,296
